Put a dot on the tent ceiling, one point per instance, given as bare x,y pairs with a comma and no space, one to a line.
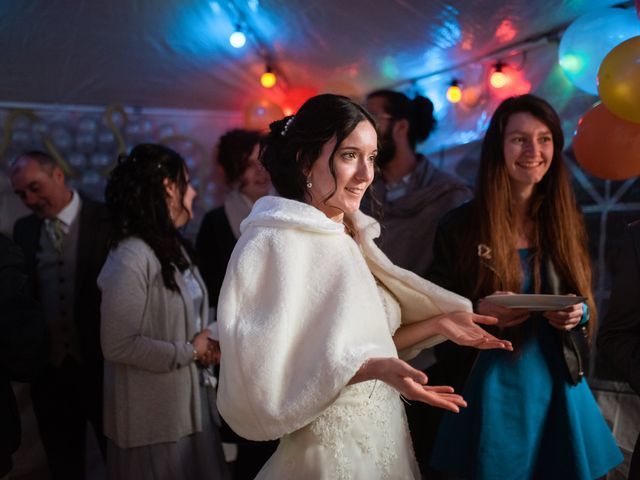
175,53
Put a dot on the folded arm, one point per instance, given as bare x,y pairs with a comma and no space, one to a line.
124,282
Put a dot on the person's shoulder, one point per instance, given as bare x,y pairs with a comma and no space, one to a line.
28,221
634,226
214,216
131,258
26,228
133,251
452,182
93,206
459,215
135,244
94,214
10,253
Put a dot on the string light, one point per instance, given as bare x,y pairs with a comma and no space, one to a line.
518,48
238,39
246,34
498,79
454,92
268,79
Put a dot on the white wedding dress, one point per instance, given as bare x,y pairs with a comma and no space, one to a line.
363,435
300,310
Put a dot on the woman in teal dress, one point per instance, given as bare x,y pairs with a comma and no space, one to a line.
531,413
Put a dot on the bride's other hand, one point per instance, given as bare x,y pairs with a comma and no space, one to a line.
507,317
410,382
442,397
462,328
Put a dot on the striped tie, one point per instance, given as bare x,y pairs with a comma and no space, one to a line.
58,234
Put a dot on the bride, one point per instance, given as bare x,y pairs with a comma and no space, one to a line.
312,315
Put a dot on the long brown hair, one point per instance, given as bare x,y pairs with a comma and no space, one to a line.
559,233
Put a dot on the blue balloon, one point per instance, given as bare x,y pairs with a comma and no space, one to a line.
589,39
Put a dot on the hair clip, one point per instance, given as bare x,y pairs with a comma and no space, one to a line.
286,125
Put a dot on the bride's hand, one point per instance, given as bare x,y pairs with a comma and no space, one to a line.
412,383
462,328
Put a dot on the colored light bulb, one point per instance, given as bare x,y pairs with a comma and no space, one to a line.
498,79
238,39
454,92
268,79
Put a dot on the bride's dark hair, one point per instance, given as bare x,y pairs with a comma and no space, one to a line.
294,143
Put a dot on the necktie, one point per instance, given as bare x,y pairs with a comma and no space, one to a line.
57,234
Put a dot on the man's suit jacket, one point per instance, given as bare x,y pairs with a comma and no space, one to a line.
23,349
619,336
93,247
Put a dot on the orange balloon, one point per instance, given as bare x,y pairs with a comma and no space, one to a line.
607,146
259,114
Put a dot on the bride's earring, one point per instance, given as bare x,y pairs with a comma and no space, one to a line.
309,183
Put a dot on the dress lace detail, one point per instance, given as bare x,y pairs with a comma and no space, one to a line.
333,428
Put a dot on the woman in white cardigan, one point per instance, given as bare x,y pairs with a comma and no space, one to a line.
159,402
312,314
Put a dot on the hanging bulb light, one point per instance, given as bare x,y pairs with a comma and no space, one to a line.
238,38
454,92
268,79
498,79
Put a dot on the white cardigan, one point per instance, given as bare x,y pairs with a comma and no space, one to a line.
299,313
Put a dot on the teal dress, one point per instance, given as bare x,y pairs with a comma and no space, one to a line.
524,419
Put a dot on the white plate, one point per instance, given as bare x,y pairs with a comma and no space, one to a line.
535,302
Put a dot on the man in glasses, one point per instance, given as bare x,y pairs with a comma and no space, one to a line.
409,197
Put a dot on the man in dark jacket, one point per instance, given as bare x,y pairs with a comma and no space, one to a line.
619,337
22,343
65,243
409,198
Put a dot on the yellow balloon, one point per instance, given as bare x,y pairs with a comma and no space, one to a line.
619,80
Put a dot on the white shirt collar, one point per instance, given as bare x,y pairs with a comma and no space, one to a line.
69,213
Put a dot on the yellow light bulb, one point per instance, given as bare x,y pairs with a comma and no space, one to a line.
454,93
268,79
498,79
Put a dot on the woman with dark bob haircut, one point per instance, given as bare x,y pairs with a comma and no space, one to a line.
237,153
531,413
312,314
158,417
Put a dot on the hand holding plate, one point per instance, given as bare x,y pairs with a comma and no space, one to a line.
507,317
565,319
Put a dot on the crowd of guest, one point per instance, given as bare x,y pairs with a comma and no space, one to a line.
323,289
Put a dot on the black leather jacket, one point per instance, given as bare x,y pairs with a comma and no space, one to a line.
447,272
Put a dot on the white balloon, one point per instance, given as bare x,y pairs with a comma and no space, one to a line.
21,139
86,141
77,159
87,124
589,39
106,141
61,138
101,159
